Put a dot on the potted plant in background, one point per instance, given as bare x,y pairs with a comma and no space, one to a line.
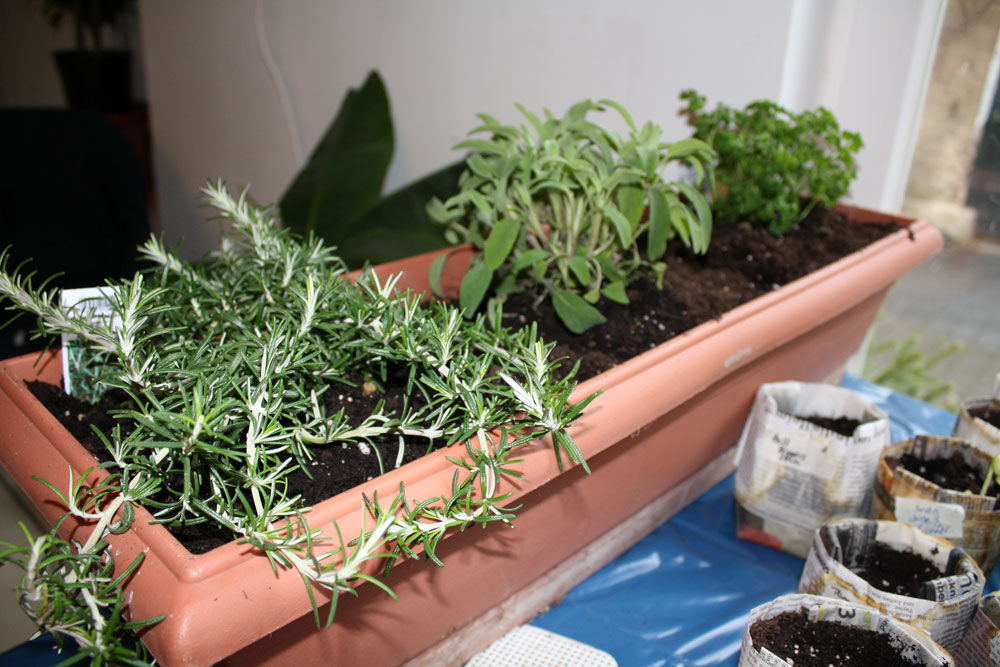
663,448
94,77
338,194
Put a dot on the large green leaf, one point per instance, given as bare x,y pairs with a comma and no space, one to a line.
345,173
398,225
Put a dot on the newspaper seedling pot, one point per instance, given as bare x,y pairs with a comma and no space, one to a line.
793,473
973,428
981,644
963,517
227,605
798,626
941,606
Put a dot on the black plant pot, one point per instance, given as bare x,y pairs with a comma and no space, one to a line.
96,80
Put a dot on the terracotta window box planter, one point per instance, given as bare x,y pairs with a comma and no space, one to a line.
664,417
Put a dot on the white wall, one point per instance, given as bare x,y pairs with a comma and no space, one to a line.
242,90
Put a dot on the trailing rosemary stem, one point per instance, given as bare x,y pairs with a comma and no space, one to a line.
232,368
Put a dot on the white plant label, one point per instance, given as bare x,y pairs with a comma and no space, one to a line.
941,519
77,363
799,451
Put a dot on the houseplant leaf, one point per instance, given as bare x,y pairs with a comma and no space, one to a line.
344,175
399,225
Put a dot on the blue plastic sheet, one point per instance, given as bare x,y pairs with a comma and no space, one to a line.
681,596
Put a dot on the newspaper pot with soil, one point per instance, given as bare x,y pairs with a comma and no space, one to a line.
808,453
981,645
979,422
803,629
229,605
899,570
935,484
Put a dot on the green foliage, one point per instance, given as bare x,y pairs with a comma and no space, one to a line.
228,363
770,157
397,225
345,173
569,209
905,366
337,195
71,591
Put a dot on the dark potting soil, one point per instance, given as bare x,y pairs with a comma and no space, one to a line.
988,413
895,571
843,425
743,262
334,468
804,643
952,472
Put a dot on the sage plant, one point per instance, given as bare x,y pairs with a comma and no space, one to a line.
228,364
569,210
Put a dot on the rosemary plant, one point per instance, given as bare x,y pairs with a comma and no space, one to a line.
228,364
562,207
770,157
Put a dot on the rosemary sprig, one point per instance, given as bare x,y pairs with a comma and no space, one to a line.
228,361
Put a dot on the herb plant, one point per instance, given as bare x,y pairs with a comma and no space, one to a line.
568,209
228,363
770,157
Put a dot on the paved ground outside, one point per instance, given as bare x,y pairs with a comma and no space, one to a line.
955,296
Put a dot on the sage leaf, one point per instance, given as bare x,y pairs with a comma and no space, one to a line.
529,258
701,228
575,312
616,292
500,242
434,275
660,229
580,269
621,225
632,203
474,285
